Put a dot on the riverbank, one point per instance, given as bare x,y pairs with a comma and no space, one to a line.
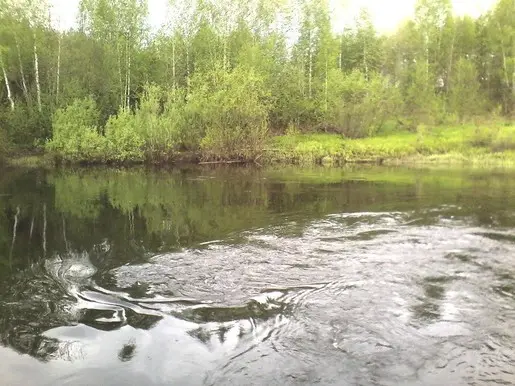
471,146
465,145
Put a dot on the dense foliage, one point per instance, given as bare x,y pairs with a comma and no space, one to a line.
220,76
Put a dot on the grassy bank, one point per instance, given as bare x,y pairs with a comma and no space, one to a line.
470,145
441,147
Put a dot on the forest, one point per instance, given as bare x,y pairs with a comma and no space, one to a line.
221,78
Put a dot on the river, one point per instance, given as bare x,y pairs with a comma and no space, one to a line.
257,276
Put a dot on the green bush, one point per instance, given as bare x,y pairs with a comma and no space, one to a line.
504,140
3,143
420,103
464,98
159,122
482,137
358,107
124,143
231,110
24,127
75,135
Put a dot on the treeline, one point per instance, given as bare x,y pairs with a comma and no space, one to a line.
220,76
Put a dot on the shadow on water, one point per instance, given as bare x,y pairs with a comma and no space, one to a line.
278,276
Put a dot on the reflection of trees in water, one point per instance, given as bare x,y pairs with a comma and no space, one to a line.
41,299
125,216
30,307
139,213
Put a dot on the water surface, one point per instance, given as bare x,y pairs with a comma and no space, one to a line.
213,276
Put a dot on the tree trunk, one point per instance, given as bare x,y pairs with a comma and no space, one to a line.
427,60
225,54
7,86
340,55
36,68
187,68
365,62
122,90
128,80
310,76
447,85
22,72
451,62
506,79
15,231
326,85
31,226
64,236
44,230
125,85
173,63
513,83
58,77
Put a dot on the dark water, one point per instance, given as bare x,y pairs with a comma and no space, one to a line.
257,277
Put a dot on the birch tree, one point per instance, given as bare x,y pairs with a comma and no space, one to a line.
502,37
6,80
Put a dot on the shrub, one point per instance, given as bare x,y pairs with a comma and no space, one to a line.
504,140
25,126
231,109
482,137
75,136
124,143
159,122
3,143
464,96
421,104
359,107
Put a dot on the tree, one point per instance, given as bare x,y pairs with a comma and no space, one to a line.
464,96
502,37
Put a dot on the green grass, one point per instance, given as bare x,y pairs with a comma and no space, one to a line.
30,161
473,145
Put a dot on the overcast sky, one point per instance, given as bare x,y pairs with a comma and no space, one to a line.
385,14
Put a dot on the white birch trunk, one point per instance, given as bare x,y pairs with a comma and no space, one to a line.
365,61
310,76
426,41
128,80
188,69
44,230
7,86
22,72
340,55
173,63
58,77
122,92
15,231
36,68
31,226
225,54
326,85
126,85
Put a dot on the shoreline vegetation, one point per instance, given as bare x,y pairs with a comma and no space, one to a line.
258,81
471,146
483,146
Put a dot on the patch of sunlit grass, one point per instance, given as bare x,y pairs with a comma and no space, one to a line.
469,144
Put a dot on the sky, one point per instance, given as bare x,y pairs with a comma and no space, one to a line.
386,14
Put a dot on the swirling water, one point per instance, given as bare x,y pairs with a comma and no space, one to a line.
250,276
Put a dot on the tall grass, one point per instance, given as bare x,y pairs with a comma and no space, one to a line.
456,143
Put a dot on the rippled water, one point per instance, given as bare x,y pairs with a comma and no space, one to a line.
257,277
